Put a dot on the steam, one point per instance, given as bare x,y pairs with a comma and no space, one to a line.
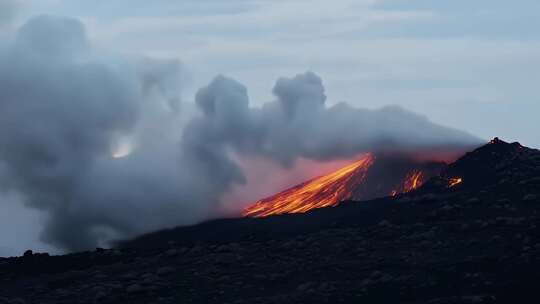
63,107
299,124
105,146
8,9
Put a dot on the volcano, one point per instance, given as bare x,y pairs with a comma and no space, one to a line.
469,235
371,176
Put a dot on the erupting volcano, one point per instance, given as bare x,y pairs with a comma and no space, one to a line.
320,192
371,176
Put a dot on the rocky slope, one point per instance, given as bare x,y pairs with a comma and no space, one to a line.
372,176
475,242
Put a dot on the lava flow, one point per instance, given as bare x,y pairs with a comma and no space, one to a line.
454,181
324,191
368,178
414,179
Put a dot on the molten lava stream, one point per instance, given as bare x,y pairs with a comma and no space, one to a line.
324,191
454,182
412,181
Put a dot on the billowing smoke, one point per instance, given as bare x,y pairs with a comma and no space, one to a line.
105,146
64,108
8,9
299,124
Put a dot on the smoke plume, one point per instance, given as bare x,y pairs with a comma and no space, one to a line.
299,124
8,9
106,148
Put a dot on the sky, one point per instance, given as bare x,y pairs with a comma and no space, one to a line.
471,64
468,64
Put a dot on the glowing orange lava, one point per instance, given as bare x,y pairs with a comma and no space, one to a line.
324,191
454,181
412,181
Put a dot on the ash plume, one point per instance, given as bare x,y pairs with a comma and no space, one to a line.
299,124
65,107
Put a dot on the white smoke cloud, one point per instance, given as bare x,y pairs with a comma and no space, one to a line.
65,109
8,9
299,124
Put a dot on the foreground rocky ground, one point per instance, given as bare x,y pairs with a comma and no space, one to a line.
477,242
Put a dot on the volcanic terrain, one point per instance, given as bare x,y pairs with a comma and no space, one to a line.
468,235
372,176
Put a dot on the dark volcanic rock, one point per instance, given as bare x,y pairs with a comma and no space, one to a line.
477,242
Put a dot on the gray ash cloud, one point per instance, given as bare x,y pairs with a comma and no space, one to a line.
8,10
65,105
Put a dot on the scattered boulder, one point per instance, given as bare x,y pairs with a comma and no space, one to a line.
530,198
172,252
134,288
165,270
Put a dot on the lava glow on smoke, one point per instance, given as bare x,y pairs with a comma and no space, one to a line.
123,148
324,191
